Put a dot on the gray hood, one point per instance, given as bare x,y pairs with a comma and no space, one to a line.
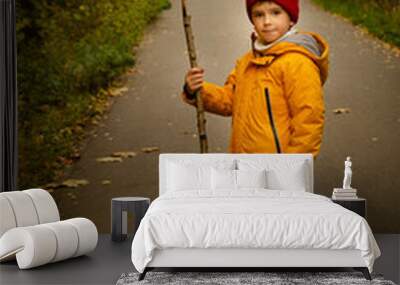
306,41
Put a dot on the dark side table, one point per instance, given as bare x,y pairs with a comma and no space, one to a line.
358,205
119,215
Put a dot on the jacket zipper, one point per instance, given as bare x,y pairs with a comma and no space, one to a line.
271,120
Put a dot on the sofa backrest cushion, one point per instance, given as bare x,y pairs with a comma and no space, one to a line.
26,208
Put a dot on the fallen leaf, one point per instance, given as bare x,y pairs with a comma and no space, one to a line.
73,183
106,182
131,71
109,159
124,154
51,185
76,155
78,129
374,139
341,111
117,92
150,149
65,161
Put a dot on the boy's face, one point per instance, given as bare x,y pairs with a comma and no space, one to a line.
270,21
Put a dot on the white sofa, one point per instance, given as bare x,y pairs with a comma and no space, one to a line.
152,246
31,231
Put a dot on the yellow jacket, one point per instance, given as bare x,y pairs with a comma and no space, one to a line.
275,97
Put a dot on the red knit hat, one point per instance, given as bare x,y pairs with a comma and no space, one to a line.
290,6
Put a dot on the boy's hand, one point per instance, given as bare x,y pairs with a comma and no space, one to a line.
194,79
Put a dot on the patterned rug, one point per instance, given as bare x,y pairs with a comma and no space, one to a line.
243,278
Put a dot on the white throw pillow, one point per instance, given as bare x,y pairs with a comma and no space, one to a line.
281,175
188,177
292,179
223,179
251,178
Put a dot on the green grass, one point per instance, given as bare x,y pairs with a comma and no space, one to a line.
69,52
380,17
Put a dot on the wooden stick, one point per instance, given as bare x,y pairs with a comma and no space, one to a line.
201,120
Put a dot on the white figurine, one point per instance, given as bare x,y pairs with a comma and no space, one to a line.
347,174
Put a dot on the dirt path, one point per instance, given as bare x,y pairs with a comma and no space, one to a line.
364,77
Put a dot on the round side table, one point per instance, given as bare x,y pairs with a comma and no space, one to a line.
119,215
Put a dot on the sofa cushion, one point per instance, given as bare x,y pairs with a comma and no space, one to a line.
23,208
7,220
45,205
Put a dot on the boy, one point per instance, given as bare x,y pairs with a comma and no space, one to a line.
274,94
